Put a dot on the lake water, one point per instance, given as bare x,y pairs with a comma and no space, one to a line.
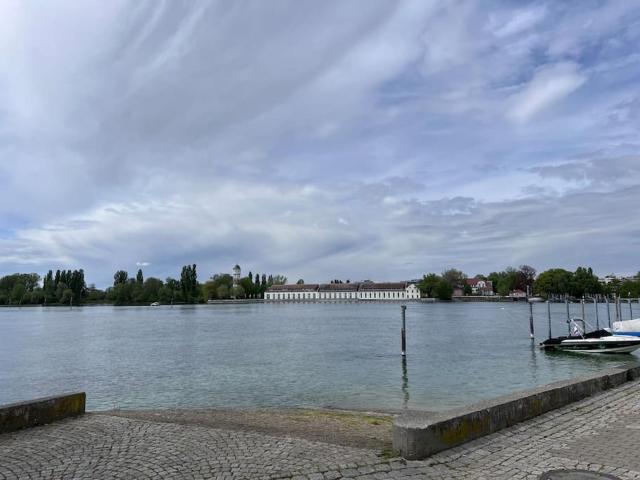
344,355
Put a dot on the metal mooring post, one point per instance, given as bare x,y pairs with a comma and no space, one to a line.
608,311
566,301
404,330
582,304
630,307
549,316
595,304
530,320
616,298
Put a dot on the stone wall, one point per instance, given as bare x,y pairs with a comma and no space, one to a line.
417,435
16,416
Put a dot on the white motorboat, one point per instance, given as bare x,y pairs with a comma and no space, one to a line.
599,341
155,304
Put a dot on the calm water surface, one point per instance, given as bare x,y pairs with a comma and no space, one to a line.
341,355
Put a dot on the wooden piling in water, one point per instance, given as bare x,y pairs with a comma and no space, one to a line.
595,304
566,302
549,316
404,331
608,311
530,319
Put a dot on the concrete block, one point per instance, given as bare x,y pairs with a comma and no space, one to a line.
41,411
417,435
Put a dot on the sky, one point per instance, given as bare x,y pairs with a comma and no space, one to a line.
342,139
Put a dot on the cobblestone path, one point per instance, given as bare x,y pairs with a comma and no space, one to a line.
599,434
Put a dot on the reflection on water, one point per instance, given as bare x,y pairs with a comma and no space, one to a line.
405,383
343,355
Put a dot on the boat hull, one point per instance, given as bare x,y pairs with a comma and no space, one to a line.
600,351
602,345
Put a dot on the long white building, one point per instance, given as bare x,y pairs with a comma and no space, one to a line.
365,291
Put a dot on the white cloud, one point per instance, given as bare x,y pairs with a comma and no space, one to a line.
516,22
216,132
549,85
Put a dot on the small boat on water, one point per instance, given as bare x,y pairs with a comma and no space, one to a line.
598,341
155,304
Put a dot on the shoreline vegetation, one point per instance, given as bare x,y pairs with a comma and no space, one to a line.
69,288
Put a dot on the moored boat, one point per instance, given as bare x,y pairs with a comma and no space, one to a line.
598,341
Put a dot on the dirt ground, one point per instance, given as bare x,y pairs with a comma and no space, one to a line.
340,427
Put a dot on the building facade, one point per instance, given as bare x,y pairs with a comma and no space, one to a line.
480,287
365,291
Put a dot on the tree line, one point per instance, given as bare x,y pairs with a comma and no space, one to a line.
68,287
552,282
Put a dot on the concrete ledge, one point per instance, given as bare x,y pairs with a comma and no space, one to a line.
417,435
16,416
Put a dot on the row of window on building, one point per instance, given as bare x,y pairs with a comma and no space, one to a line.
410,292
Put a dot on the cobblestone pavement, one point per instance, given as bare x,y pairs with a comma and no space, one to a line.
599,434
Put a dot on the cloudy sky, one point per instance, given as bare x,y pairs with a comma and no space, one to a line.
350,139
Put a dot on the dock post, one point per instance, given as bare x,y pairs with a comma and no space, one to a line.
566,302
630,308
530,320
608,311
404,331
549,316
582,305
595,304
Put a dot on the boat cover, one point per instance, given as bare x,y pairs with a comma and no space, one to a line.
627,325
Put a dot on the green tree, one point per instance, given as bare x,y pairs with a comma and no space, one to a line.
238,292
18,292
554,281
584,282
505,285
444,290
189,283
120,277
140,277
453,277
67,296
151,290
428,284
527,277
222,292
247,286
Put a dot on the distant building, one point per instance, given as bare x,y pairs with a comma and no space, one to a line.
480,287
236,275
365,291
518,293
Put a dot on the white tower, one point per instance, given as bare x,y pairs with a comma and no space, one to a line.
236,275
